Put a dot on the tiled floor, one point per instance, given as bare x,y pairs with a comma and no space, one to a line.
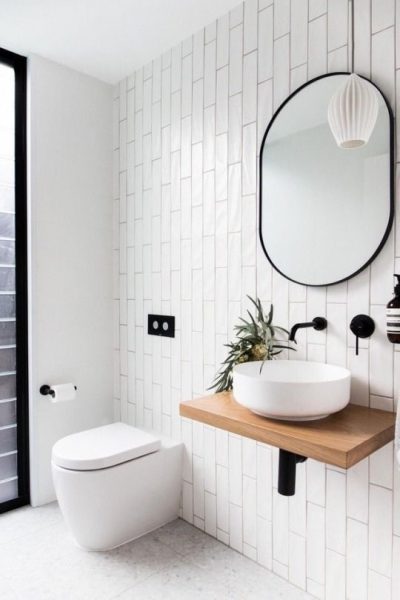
39,561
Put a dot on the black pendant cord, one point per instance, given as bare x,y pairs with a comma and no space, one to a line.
352,35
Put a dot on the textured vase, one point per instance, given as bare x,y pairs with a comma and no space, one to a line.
352,112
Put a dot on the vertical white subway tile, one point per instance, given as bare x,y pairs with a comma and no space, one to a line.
249,160
166,97
335,576
236,60
315,482
236,527
221,168
221,108
209,148
382,14
383,62
234,267
235,470
147,104
209,73
362,37
176,68
265,44
175,121
264,482
357,560
381,466
281,18
187,502
249,457
250,88
234,197
209,460
317,45
395,568
317,8
210,514
222,41
264,543
210,33
378,586
281,70
298,503
337,23
357,491
249,511
336,347
187,85
264,109
382,274
316,543
380,530
381,356
250,25
236,15
222,498
280,528
336,511
298,32
198,55
197,121
235,129
187,46
297,560
198,486
249,214
338,60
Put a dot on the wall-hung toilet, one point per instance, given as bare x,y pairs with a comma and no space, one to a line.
116,483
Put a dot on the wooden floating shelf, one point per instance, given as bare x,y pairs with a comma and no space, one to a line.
342,439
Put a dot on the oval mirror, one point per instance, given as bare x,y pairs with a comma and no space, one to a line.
325,211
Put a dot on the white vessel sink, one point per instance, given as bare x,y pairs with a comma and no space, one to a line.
292,390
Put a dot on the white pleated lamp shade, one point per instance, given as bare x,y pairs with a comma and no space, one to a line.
352,112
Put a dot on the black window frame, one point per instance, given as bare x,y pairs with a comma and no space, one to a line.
19,64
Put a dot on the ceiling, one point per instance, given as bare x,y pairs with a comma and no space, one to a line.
107,39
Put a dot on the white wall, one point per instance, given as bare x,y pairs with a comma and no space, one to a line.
70,253
187,133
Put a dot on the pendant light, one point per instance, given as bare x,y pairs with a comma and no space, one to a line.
353,108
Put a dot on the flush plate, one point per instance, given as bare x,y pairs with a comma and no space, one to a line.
161,325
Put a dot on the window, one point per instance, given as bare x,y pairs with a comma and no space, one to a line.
14,459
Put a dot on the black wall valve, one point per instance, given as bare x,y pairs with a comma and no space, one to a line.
363,327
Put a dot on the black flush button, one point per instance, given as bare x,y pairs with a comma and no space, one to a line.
161,325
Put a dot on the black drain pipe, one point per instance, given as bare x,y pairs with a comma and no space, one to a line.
287,472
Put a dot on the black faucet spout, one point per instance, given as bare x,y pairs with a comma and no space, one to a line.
319,323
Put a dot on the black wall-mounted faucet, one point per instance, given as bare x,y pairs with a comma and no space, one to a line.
319,323
363,327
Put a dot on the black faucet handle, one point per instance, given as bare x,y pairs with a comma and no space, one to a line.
320,323
363,327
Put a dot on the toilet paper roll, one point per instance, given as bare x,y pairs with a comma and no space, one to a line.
63,392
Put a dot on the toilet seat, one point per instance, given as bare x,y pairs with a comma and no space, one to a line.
103,447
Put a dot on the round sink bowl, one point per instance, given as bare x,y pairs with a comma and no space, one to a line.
292,390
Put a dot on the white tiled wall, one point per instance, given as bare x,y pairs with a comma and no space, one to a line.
187,131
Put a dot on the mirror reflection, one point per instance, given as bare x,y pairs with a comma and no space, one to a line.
325,211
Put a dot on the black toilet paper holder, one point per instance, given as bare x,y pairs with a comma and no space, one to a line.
46,390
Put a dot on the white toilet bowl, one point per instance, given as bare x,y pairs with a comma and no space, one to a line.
116,483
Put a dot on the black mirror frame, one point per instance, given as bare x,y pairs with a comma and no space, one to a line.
391,175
